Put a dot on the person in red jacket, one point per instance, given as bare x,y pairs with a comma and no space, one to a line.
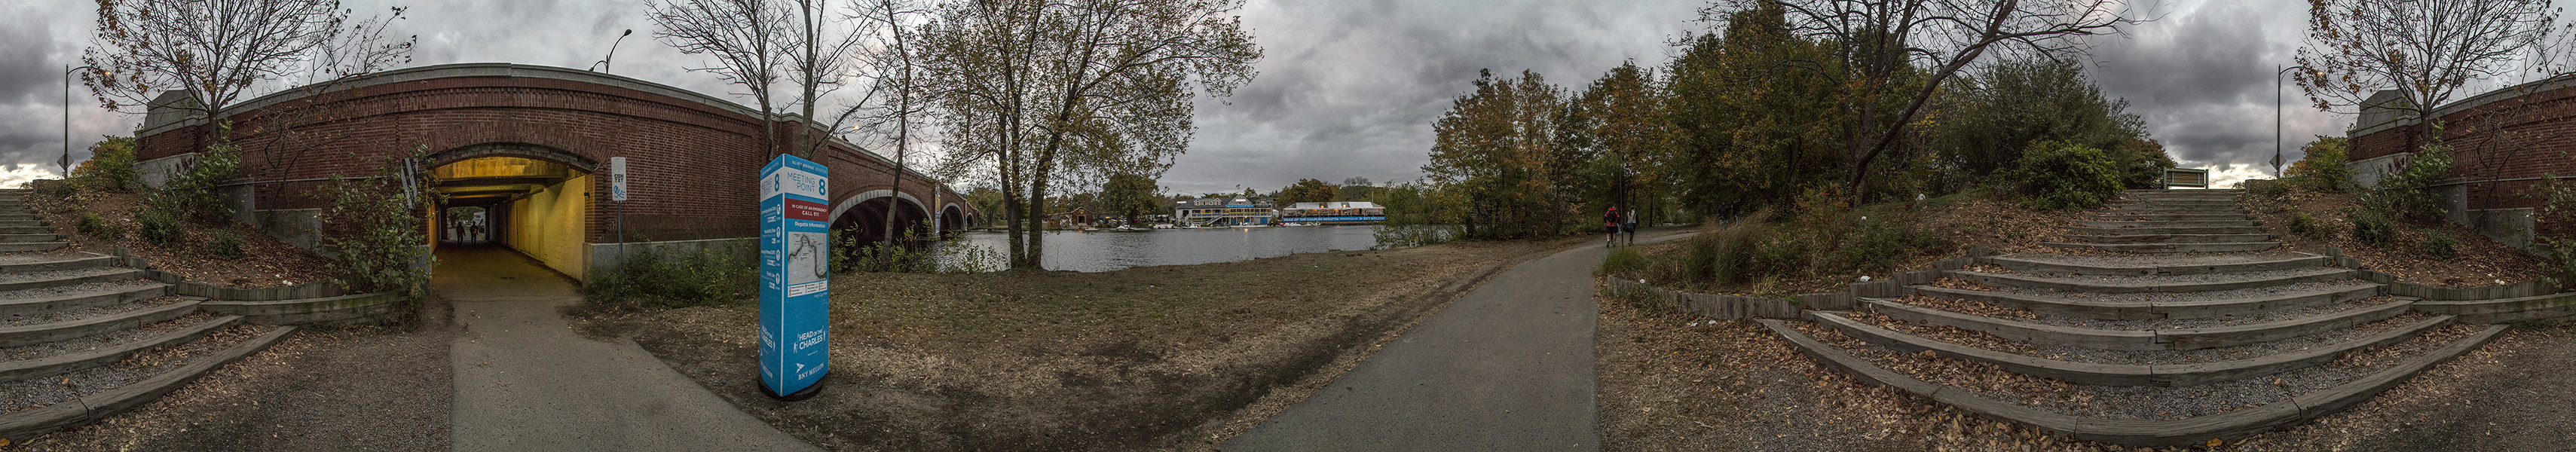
1610,221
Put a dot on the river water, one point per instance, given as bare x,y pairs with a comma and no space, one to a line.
1100,251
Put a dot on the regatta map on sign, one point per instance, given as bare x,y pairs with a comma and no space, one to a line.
795,283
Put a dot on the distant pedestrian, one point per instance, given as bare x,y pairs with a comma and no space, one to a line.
1610,222
1630,226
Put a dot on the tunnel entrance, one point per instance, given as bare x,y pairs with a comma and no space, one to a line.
536,207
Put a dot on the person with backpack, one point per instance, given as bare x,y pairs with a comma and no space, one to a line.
1610,222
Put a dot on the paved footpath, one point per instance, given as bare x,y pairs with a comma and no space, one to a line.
1508,366
525,382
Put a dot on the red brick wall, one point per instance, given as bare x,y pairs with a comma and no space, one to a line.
2527,136
693,167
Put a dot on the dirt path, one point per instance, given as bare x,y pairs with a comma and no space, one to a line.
1509,366
524,381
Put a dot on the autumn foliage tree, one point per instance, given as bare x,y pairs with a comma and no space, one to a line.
1306,190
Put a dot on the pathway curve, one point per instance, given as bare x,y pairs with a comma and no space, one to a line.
524,381
1508,366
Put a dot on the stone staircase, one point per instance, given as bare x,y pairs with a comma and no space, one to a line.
82,338
2167,321
2170,221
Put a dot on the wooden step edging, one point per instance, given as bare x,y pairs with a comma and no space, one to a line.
2544,308
32,246
2109,310
2192,374
2168,248
2044,267
307,311
180,285
67,363
2168,224
25,425
2016,280
2229,426
59,331
81,300
2168,238
2108,339
2183,230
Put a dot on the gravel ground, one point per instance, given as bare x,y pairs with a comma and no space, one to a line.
2159,260
2100,356
82,288
67,315
323,389
6,278
104,340
26,395
41,256
2139,402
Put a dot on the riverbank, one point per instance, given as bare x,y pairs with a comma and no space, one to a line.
1171,357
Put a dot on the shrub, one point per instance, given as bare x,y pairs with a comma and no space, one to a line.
158,227
1621,262
99,228
191,195
2308,226
2438,245
2372,225
697,278
379,236
110,166
226,245
2323,168
2558,207
2409,190
2054,175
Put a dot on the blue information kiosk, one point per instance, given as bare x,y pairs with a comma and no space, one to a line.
795,278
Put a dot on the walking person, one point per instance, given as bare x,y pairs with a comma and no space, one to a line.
1630,226
1610,222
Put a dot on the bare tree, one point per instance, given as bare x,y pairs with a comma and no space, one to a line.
2425,49
215,51
1051,91
337,65
821,47
895,65
1899,52
742,35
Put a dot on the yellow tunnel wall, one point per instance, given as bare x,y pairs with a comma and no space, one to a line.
548,225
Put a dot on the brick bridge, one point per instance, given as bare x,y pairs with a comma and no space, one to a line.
530,145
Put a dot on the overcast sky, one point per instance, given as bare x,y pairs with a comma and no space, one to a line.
1347,87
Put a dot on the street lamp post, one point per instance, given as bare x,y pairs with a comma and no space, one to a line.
603,63
2276,117
66,162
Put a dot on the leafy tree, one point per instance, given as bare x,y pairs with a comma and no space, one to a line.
2003,110
110,166
1898,53
1306,190
1046,92
1130,196
2322,167
1626,122
1495,147
1751,125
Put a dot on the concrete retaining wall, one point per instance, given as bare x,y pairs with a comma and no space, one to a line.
605,257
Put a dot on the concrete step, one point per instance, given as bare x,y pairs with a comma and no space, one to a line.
60,278
18,370
2108,309
2160,248
2053,264
24,425
2159,284
75,329
2171,210
2183,190
2227,427
2168,224
26,230
2247,333
19,224
2097,216
2170,375
2169,238
38,305
34,246
2158,231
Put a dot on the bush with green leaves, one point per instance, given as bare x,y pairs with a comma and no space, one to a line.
2054,175
226,245
2375,226
153,225
702,277
2308,226
110,167
2323,167
99,228
2439,245
2408,192
191,195
2558,207
378,237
